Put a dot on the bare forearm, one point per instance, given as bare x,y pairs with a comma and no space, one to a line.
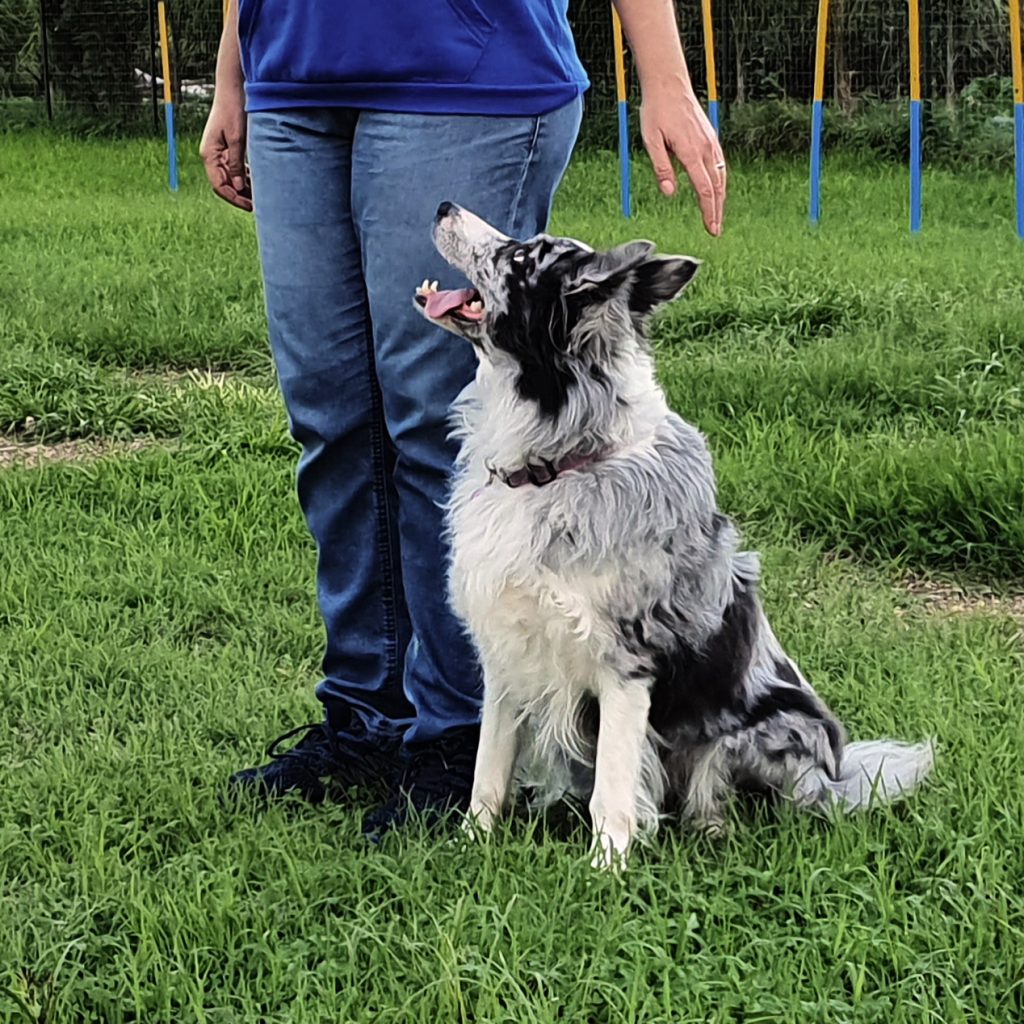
223,145
653,34
229,59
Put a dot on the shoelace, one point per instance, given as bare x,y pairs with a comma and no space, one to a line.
325,741
322,752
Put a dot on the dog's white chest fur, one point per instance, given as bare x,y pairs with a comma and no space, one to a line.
543,632
547,622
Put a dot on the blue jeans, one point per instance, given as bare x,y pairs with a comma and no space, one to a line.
344,203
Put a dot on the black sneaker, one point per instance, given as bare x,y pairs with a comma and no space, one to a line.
350,757
435,782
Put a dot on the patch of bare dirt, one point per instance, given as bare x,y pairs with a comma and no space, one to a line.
943,597
30,454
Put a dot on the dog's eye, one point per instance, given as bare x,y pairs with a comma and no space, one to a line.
519,256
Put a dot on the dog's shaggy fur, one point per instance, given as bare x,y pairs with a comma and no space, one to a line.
625,652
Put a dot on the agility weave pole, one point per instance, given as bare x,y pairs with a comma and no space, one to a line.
625,171
1017,57
818,114
709,64
915,116
165,55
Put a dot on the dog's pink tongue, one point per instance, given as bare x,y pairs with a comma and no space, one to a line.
439,303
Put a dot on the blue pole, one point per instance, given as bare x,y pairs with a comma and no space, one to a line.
1018,149
915,166
624,160
713,115
172,148
817,129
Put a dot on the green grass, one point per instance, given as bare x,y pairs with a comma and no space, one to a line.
862,393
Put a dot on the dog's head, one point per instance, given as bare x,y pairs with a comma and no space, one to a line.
552,310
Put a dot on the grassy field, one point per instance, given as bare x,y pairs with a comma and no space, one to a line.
862,392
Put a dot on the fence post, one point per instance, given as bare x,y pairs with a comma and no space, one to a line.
45,46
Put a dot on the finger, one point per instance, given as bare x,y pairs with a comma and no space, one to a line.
236,162
220,179
211,164
240,197
661,161
704,186
237,199
714,166
721,181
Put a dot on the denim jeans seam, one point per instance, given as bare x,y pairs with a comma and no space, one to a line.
383,509
531,152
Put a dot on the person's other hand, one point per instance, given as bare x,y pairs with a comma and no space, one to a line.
223,148
673,124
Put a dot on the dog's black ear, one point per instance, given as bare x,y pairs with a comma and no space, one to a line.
602,273
660,280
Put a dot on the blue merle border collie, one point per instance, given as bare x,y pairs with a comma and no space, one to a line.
627,659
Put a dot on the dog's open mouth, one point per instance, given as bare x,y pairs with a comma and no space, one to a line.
464,304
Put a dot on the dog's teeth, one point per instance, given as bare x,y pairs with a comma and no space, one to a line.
423,288
476,305
433,286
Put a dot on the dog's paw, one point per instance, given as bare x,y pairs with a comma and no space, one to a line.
478,823
712,828
609,854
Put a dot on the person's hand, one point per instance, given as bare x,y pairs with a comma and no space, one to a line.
223,148
673,124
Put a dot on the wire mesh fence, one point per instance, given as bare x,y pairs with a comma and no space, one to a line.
764,58
97,63
765,48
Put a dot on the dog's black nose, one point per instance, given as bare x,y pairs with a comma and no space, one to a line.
444,209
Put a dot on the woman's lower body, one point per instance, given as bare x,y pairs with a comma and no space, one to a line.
344,203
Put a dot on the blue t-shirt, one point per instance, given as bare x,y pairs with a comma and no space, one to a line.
420,56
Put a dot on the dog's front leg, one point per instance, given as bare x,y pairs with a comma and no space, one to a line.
620,746
495,757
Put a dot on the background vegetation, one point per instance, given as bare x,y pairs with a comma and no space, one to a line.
764,58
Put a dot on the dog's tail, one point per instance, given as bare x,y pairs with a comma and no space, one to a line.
877,772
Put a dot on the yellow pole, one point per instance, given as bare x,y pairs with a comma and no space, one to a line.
620,57
165,50
1015,52
915,50
819,52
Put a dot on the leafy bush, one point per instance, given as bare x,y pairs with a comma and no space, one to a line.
19,39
